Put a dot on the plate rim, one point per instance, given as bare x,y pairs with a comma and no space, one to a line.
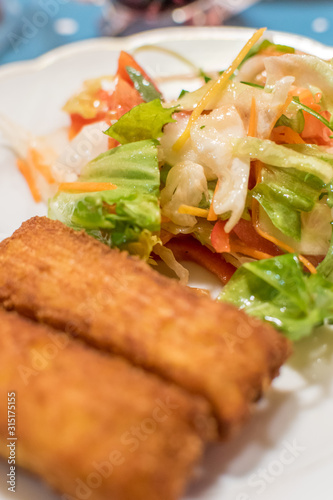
231,33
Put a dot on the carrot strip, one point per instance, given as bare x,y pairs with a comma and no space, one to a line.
216,88
197,212
36,159
253,124
250,252
86,187
286,135
27,173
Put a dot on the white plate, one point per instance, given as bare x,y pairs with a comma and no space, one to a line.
286,450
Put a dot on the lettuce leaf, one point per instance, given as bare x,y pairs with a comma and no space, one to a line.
284,194
325,268
146,89
279,292
286,219
143,122
281,156
116,217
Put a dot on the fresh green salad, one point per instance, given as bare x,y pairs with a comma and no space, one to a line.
236,176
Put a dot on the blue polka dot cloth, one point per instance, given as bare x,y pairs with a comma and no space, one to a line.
29,28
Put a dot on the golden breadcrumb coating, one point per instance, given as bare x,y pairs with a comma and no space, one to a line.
118,303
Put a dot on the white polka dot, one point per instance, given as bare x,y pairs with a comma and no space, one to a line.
178,16
320,24
66,26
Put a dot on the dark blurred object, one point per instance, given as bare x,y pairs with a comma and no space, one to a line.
130,16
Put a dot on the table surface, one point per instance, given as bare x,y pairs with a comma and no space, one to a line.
30,28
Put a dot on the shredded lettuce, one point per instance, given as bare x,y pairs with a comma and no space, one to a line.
186,184
146,89
281,156
310,72
142,122
118,217
279,292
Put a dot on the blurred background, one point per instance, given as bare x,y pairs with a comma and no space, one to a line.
29,28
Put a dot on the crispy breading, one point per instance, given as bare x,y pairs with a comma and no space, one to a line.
118,303
90,421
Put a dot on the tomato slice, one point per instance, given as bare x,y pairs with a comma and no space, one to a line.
245,231
125,60
123,99
219,238
78,122
188,248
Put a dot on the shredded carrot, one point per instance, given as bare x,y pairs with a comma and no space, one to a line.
37,160
27,173
215,89
253,124
86,187
250,252
286,135
197,212
211,213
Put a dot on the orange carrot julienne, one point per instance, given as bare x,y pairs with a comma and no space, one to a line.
250,252
216,88
27,173
286,135
189,210
36,159
86,187
253,124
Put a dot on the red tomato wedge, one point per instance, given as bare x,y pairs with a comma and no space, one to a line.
78,122
314,130
125,60
219,238
189,249
245,231
122,100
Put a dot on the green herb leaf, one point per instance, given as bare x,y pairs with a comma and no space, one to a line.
313,113
204,76
146,89
143,122
296,123
183,92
